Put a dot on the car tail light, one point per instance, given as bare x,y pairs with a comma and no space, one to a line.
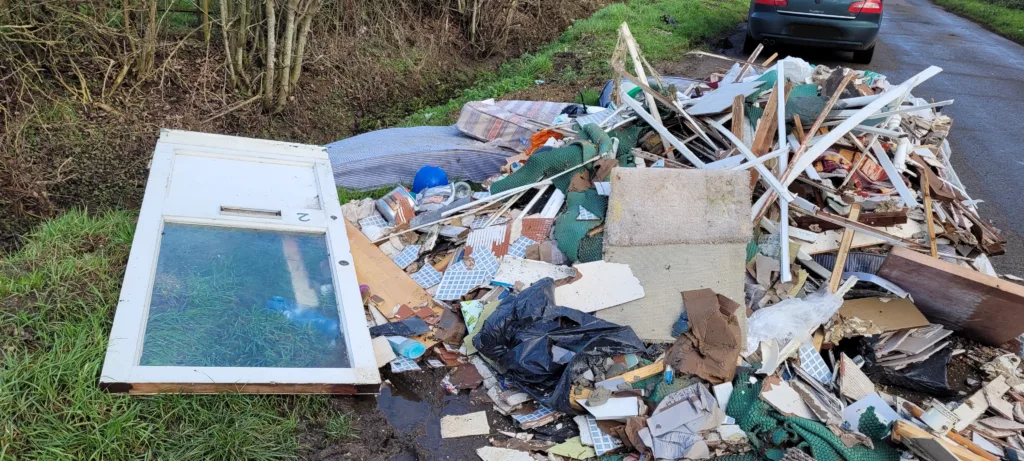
866,6
771,2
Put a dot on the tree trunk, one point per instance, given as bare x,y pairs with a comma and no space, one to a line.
286,56
225,23
300,51
149,42
268,76
206,21
243,31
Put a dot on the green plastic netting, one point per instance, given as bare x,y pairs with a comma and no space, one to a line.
771,433
569,231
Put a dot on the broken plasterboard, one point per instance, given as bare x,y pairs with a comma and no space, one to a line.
720,100
885,413
382,351
677,230
527,271
889,314
829,240
601,285
783,398
853,383
616,408
502,454
453,426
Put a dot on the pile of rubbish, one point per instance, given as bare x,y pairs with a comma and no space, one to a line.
731,267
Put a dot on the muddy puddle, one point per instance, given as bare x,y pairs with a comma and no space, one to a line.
413,404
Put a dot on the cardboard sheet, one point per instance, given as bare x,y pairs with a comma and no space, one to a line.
712,346
889,314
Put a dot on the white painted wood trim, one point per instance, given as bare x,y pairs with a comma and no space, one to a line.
127,333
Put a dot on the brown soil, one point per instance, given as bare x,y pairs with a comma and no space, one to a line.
403,422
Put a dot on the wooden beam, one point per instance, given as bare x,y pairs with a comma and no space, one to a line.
804,144
737,116
799,128
750,60
239,388
386,280
978,306
638,67
928,212
765,132
844,251
903,429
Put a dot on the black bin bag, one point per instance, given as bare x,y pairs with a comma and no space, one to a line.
520,334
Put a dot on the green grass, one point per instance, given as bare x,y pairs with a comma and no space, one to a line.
593,39
340,427
347,195
57,299
1004,17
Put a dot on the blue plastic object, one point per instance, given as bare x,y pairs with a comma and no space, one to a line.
406,347
305,318
681,326
427,177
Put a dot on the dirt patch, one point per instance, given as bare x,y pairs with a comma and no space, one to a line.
558,92
403,422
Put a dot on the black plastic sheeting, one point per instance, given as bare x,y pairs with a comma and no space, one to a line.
520,334
928,376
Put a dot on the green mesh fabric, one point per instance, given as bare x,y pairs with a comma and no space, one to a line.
571,233
752,249
591,248
753,113
770,432
770,79
628,138
592,141
543,165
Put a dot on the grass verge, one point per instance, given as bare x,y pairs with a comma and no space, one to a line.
1003,20
58,294
57,299
593,40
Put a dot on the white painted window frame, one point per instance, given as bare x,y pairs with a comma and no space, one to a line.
121,369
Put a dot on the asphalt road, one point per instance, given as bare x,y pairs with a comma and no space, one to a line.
984,73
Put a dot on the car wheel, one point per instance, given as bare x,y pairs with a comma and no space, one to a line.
864,56
749,44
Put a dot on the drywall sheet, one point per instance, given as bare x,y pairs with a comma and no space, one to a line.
678,230
666,271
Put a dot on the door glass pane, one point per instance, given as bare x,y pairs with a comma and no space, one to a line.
229,297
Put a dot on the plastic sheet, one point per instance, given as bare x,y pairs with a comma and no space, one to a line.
793,318
928,376
520,334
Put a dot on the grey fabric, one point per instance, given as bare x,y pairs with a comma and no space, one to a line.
392,156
